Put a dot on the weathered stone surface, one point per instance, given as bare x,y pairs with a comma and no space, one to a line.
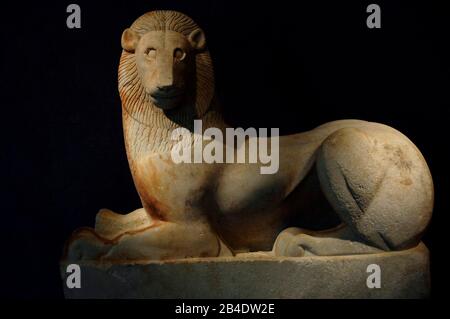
370,176
404,274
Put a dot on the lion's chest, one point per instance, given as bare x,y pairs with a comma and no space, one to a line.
172,191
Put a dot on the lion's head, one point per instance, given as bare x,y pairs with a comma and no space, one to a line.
165,67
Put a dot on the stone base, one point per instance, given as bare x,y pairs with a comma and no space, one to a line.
404,274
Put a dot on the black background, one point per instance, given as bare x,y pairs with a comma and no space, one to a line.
277,65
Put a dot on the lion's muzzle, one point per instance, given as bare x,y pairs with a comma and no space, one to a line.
166,97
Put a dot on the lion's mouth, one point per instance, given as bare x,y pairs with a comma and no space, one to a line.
158,96
166,100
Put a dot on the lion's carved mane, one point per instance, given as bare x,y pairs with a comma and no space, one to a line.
146,127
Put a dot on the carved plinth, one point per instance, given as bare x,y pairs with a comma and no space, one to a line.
404,274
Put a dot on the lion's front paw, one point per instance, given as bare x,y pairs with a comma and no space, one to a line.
85,244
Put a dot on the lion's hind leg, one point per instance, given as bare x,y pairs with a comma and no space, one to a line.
298,242
379,185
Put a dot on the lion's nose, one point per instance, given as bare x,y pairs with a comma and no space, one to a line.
165,74
164,88
165,83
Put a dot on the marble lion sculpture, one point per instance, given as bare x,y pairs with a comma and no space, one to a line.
369,175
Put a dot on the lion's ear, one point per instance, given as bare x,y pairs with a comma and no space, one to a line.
129,40
197,39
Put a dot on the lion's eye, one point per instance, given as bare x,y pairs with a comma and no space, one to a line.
179,54
151,53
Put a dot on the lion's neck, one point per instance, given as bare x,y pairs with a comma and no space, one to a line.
148,130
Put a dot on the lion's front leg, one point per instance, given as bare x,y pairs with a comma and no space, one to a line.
159,241
111,225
